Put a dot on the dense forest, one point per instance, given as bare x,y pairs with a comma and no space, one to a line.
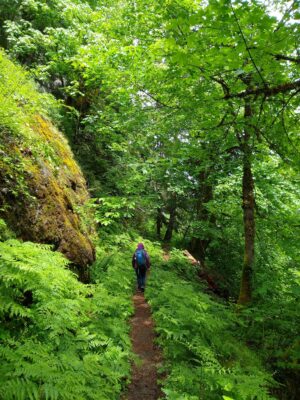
169,122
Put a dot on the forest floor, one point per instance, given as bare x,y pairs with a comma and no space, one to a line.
144,384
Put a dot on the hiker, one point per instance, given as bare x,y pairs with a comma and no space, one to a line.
141,263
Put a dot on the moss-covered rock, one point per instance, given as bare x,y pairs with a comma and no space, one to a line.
41,186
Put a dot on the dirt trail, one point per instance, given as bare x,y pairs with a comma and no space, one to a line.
166,255
144,376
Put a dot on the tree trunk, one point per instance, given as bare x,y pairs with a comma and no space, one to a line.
158,221
199,246
171,224
198,249
248,213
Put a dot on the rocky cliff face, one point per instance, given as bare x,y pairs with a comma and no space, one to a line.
40,201
42,190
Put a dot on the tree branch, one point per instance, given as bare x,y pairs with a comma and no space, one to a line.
158,102
285,15
246,44
286,58
223,84
266,91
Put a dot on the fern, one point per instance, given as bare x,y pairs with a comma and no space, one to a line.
204,359
60,339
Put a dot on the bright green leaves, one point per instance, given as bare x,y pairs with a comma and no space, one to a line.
203,358
59,338
16,87
109,210
152,113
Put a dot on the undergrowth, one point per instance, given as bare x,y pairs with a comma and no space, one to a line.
60,339
203,357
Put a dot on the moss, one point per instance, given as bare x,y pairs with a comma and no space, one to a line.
58,144
55,219
5,232
41,185
38,197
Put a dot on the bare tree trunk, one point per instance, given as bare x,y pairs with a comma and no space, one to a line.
171,224
199,246
158,221
248,213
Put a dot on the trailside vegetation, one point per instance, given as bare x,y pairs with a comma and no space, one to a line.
204,356
184,118
61,339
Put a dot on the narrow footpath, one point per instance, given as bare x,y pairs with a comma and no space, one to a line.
144,384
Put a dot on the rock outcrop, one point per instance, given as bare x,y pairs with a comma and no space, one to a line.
42,189
41,201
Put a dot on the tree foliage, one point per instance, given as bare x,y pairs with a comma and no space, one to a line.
184,116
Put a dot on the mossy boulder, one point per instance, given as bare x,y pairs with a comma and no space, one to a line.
42,189
40,200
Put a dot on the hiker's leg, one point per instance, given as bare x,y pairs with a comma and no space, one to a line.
143,277
138,277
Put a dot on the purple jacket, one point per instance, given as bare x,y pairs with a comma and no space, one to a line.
134,262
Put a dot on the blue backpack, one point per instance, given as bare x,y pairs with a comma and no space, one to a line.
140,258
